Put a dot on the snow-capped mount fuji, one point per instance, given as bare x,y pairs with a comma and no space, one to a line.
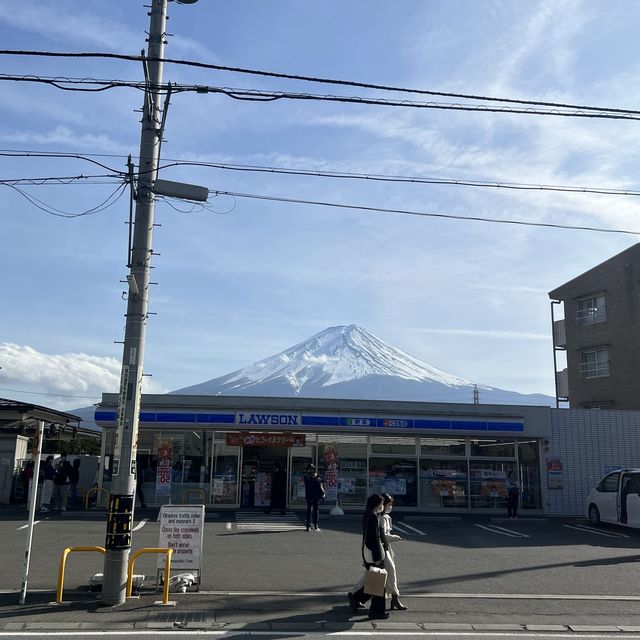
350,362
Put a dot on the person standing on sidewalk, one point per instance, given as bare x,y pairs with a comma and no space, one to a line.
61,483
47,487
513,494
373,555
313,492
390,556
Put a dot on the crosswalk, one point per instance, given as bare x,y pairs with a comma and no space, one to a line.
267,523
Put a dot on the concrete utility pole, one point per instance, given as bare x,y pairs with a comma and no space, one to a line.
120,510
118,543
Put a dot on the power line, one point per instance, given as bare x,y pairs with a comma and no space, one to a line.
55,395
255,95
372,177
47,208
409,212
305,78
401,179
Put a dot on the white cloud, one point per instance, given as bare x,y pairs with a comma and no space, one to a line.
60,375
75,27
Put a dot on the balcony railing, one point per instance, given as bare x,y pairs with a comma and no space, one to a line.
592,315
595,369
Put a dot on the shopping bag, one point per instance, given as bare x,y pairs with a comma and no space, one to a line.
375,581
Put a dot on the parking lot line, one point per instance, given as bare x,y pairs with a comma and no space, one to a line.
140,524
501,531
579,527
24,526
408,526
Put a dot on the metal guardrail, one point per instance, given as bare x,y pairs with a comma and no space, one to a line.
63,564
167,569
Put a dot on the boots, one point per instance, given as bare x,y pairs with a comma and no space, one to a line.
396,604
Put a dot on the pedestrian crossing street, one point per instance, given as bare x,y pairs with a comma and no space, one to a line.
268,522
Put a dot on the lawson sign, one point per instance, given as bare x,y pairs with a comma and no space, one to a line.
269,419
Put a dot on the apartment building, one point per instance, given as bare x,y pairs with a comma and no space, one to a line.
599,335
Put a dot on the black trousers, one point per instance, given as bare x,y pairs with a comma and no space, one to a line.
512,506
312,512
378,603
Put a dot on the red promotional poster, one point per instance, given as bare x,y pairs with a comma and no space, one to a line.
331,471
266,439
164,449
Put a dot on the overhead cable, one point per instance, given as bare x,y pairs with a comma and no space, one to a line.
305,78
409,212
256,95
373,177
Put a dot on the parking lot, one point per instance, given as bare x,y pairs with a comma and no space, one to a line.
257,552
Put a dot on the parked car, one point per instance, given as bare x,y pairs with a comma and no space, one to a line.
616,499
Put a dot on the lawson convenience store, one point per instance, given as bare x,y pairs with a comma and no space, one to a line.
430,456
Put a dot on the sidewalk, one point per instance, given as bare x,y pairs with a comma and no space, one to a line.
312,612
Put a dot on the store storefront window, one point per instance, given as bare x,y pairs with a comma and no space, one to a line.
487,488
300,458
529,459
342,462
442,447
224,480
394,445
396,476
443,483
492,448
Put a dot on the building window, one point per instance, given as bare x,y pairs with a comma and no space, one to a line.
591,311
595,364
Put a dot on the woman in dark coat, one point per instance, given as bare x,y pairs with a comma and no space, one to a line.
372,556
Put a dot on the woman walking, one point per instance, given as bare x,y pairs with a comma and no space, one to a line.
390,556
373,555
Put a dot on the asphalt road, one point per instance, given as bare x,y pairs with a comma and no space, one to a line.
259,568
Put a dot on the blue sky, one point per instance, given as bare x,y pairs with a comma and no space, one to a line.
467,297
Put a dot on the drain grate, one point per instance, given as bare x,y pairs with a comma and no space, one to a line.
186,617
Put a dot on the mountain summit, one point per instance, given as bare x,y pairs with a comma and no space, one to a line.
349,362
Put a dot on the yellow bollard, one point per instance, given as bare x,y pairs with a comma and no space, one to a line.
167,570
93,490
63,564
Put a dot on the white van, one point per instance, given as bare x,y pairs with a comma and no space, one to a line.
616,499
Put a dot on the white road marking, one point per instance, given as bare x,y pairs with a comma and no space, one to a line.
140,524
406,525
595,531
24,526
434,596
401,529
522,535
503,532
267,524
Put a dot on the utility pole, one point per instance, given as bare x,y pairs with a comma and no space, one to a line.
476,394
121,501
120,515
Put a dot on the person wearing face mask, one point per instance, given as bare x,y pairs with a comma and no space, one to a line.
389,558
373,555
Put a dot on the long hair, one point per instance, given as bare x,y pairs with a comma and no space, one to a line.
373,501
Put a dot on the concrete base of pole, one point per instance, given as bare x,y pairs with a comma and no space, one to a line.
337,510
114,585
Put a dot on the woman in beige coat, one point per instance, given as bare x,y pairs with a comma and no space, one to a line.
389,558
